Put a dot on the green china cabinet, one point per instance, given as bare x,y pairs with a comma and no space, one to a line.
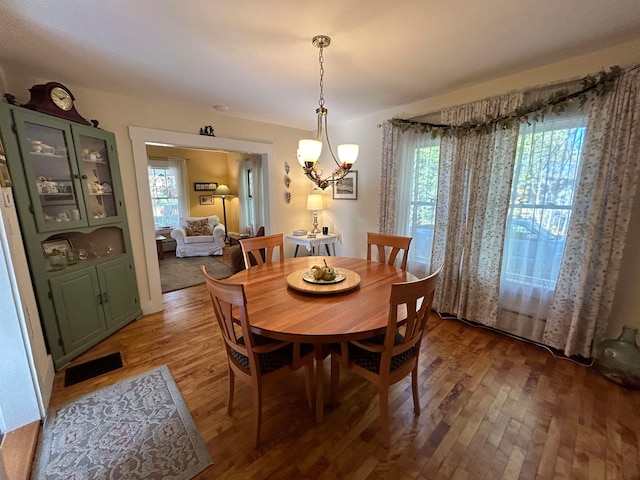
68,194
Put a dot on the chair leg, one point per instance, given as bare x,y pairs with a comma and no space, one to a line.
256,394
335,380
414,387
308,383
383,393
231,390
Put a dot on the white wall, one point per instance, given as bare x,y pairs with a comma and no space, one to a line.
19,394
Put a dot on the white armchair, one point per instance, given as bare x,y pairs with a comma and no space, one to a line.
199,245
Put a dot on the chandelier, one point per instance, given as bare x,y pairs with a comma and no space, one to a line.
309,150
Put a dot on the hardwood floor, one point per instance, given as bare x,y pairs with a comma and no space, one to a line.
492,407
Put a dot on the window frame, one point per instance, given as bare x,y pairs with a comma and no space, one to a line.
162,165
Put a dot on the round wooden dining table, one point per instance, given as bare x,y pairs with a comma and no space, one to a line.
276,310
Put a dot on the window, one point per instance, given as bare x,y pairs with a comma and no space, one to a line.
163,183
546,167
422,205
544,182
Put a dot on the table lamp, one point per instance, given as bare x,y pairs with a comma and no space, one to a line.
314,202
223,191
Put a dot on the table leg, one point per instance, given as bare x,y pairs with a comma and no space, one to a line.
326,245
296,253
319,354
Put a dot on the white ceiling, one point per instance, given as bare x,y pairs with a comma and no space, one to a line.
256,56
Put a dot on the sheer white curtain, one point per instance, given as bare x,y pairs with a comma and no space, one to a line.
179,167
544,183
408,191
417,184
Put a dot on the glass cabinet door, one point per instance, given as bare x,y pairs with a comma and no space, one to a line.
97,170
52,175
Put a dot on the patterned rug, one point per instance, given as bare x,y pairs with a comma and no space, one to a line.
178,273
137,428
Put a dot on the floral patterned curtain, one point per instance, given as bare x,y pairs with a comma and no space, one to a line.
475,176
584,293
474,185
386,194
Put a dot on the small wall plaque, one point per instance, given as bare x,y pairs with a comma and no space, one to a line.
205,186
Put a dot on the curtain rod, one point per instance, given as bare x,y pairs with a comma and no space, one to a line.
537,88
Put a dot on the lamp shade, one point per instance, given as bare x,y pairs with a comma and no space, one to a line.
314,202
348,152
309,151
222,191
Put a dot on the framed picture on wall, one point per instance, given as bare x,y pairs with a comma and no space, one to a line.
206,199
347,187
205,186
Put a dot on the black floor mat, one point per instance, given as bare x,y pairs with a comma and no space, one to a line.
91,369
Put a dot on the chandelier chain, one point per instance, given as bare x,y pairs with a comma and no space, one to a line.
321,61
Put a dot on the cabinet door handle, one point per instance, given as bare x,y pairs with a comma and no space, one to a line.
75,175
99,299
84,177
105,297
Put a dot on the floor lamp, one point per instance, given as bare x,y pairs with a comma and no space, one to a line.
223,191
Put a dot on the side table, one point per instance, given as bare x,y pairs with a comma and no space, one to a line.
234,237
313,245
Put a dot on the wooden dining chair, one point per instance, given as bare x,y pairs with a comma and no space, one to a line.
253,358
261,249
396,243
386,359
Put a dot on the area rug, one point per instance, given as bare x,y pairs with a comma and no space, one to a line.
178,273
137,428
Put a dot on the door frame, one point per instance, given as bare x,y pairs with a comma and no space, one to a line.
147,270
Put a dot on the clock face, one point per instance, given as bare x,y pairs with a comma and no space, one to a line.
61,98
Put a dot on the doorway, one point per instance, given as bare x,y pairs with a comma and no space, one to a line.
172,175
144,249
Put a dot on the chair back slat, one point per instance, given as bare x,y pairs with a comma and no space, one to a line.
393,244
262,249
229,298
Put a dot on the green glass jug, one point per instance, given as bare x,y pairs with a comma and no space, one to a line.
619,359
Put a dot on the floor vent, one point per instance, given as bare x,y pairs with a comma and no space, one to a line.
91,369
